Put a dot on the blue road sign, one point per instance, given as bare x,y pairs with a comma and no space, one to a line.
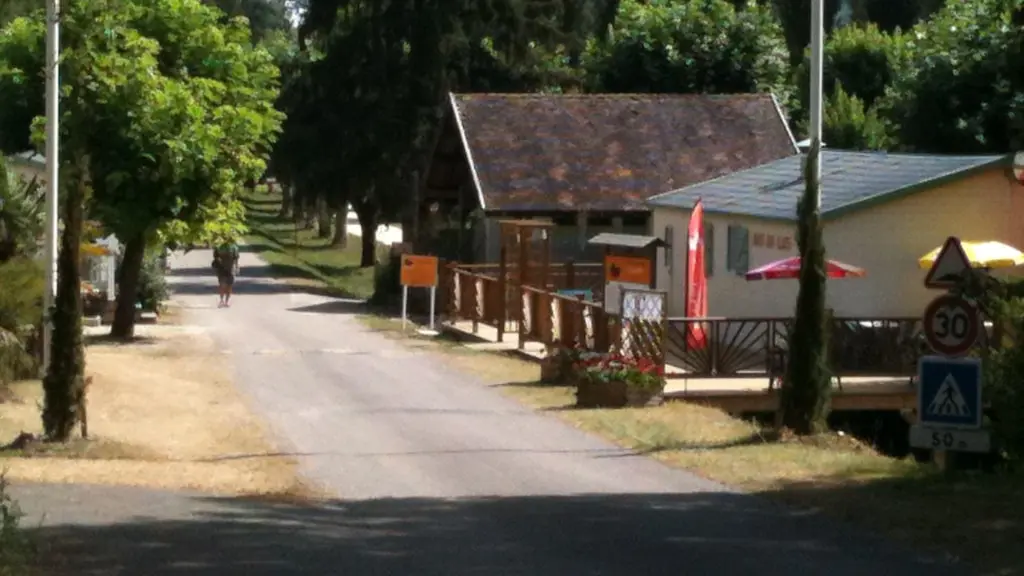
949,392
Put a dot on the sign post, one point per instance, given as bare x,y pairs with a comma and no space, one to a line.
419,272
949,396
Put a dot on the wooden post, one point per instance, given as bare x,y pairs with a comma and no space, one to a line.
524,261
570,275
502,291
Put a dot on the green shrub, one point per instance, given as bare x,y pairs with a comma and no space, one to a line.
1004,381
15,548
152,290
21,309
386,280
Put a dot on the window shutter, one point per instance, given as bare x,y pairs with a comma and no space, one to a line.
709,249
669,234
739,249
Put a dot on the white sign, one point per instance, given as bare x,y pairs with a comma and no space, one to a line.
642,305
951,325
613,294
949,265
950,440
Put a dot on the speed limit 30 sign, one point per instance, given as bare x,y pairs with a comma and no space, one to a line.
951,325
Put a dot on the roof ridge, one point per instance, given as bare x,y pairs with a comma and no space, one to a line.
613,95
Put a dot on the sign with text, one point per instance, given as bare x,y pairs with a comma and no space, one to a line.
419,271
627,269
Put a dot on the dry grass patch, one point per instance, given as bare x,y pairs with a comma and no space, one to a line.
163,413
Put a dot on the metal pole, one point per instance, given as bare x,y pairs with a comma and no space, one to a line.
817,48
433,296
52,170
405,305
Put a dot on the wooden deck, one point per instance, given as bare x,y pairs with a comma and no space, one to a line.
736,395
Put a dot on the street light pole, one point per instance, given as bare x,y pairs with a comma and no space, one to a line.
52,171
817,48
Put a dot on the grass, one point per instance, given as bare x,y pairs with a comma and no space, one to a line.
300,257
163,413
976,518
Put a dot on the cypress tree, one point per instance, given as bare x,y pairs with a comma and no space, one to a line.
807,389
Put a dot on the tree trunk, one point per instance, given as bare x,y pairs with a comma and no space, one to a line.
308,212
286,202
340,239
323,218
64,384
123,326
368,225
807,389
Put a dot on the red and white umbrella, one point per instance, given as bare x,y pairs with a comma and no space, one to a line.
789,268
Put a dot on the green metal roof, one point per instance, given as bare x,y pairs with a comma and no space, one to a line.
850,181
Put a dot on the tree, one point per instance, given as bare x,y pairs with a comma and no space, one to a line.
864,59
692,46
806,392
963,88
848,126
378,91
197,135
104,61
21,215
265,16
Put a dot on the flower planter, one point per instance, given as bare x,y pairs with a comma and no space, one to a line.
590,394
641,398
614,394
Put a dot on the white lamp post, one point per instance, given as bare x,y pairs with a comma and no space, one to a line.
817,48
52,170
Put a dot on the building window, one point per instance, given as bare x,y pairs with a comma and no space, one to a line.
738,253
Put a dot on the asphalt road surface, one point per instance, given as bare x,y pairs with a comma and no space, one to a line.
434,473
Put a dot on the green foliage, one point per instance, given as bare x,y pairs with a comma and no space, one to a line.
1004,380
152,290
21,309
847,126
21,215
863,59
265,17
963,88
16,550
806,392
692,46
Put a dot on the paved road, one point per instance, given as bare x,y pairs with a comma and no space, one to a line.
435,474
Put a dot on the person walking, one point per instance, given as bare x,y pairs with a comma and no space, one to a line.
225,264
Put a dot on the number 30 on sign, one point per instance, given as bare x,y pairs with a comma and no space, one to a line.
951,325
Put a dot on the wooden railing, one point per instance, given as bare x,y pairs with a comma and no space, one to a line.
554,319
565,276
532,312
757,347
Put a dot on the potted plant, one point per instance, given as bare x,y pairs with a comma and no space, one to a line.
613,381
559,364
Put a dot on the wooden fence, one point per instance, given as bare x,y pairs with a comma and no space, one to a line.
757,347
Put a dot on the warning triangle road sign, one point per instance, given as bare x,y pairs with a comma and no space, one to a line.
949,265
949,401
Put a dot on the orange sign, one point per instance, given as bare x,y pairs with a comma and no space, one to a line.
419,271
627,269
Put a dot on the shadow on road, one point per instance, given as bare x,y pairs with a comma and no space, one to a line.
703,533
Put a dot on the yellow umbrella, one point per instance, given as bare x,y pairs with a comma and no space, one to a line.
982,255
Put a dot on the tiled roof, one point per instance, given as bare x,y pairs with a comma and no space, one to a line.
614,151
849,180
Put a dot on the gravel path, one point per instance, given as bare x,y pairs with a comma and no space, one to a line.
434,474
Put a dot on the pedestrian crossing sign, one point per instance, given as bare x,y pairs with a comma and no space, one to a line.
949,392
